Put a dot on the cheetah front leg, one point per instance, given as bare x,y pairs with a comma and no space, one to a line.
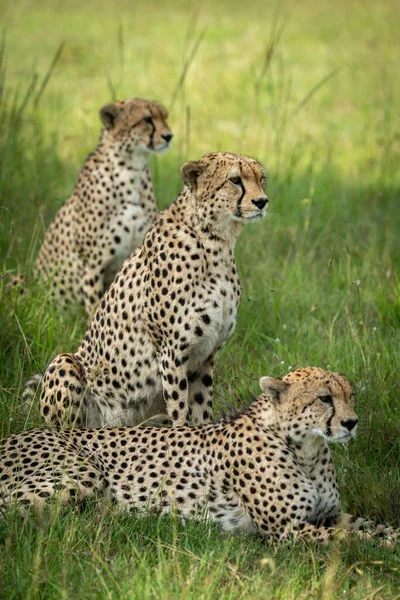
92,287
311,533
63,392
368,530
307,532
175,386
200,393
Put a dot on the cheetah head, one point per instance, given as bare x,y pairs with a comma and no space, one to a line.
136,126
227,187
312,402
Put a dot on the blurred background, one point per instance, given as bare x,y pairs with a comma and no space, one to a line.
303,87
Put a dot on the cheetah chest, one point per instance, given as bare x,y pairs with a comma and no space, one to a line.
320,486
128,220
124,223
217,318
326,503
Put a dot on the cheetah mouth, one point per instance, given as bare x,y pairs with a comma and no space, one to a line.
161,148
243,218
256,217
250,218
336,437
342,438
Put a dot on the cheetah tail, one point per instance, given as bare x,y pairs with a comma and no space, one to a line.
30,388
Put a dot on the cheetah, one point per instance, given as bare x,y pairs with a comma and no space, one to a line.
151,344
265,469
111,207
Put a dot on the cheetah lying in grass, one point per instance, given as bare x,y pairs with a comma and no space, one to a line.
265,469
110,209
152,341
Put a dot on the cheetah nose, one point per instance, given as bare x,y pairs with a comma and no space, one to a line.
260,202
167,137
349,423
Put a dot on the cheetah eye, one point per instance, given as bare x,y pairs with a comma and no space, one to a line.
326,400
147,119
236,180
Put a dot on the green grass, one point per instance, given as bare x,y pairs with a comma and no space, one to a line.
310,89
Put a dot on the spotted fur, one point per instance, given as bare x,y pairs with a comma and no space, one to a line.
151,344
265,469
111,207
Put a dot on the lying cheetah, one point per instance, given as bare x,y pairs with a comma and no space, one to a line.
264,469
111,207
152,341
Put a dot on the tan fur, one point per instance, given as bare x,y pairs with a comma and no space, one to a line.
151,344
111,207
265,469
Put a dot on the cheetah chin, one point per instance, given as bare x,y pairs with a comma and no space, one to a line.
162,149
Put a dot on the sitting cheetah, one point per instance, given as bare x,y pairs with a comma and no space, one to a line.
111,207
152,341
264,469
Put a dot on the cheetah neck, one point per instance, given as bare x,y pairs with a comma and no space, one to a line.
225,230
118,158
309,450
222,233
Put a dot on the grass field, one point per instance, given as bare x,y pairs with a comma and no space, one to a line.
312,90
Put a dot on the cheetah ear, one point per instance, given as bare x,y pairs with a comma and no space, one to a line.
273,387
190,172
108,115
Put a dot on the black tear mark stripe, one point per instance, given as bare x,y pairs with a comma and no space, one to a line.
329,422
238,211
151,143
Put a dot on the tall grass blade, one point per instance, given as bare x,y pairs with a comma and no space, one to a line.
315,89
121,50
27,97
186,68
47,76
275,37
